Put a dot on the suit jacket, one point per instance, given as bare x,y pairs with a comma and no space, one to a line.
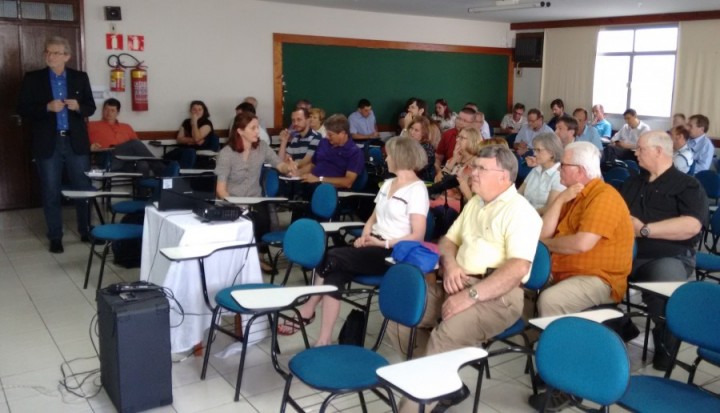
35,94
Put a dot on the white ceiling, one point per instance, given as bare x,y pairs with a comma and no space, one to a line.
559,10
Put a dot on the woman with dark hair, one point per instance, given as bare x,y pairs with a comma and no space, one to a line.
195,129
419,130
239,165
443,115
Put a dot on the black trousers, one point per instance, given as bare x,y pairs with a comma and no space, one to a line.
342,264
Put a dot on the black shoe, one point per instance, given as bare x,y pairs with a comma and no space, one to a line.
558,401
539,382
56,246
664,341
457,398
85,238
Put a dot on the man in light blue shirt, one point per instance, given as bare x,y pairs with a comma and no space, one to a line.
601,124
585,133
699,143
362,122
535,126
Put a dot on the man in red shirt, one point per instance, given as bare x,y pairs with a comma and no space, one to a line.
445,148
109,133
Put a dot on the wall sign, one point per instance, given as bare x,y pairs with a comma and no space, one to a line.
136,42
114,41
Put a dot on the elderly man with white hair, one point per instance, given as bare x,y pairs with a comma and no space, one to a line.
668,209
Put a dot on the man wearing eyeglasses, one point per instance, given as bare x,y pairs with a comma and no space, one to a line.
57,100
512,122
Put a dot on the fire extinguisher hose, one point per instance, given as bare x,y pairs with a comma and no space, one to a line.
115,60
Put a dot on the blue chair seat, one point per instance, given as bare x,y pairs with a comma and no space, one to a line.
373,280
274,237
355,232
513,330
707,262
658,395
337,367
709,355
224,298
116,232
128,207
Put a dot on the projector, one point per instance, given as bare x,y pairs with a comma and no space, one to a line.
209,213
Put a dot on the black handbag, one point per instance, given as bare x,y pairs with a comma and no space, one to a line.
353,329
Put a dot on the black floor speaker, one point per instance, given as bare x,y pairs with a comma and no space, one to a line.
135,361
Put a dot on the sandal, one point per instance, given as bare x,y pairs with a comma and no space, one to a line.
292,326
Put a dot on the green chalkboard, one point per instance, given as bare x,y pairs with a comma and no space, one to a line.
336,77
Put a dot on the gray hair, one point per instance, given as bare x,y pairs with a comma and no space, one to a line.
407,153
337,123
660,139
587,156
503,157
57,40
551,143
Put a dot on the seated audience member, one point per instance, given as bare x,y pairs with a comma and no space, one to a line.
303,104
414,107
699,143
362,123
239,165
528,132
435,135
682,154
443,115
585,132
247,106
484,257
542,185
558,110
446,147
400,214
566,130
337,160
589,234
193,132
668,209
588,231
110,133
301,141
512,122
601,124
625,140
678,119
479,121
419,129
317,118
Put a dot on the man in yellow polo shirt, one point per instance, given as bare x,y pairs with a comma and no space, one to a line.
484,257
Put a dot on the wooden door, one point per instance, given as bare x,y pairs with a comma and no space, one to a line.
22,42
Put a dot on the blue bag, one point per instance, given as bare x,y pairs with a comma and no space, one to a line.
415,253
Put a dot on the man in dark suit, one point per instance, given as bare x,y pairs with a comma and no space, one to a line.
56,100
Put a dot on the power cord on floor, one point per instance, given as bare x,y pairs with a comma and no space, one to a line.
73,382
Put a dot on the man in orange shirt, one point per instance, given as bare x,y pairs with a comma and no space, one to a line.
590,235
109,133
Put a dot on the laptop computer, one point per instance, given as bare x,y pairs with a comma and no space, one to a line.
186,192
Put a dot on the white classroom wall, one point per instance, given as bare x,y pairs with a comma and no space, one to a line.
220,51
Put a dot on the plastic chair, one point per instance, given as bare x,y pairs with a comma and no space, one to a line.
617,173
340,369
107,234
632,165
585,359
322,205
710,181
709,262
270,182
692,317
127,207
304,244
539,275
348,206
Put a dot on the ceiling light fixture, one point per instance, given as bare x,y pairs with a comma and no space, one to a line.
509,5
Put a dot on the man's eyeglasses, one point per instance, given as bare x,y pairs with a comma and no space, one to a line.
483,169
563,165
54,54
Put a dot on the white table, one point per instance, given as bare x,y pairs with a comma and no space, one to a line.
94,195
663,288
277,298
206,152
348,194
223,269
289,178
196,171
596,315
337,226
102,175
254,200
133,158
430,378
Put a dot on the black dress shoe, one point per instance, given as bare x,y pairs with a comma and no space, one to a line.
457,398
558,401
85,238
56,246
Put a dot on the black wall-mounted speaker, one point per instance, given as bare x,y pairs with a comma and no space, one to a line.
113,13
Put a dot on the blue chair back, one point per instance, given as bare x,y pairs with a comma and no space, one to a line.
271,182
619,173
429,226
360,181
376,156
585,359
541,267
692,314
632,165
710,181
171,169
212,142
324,201
403,294
304,243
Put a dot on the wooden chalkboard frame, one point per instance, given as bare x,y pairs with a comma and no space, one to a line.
280,38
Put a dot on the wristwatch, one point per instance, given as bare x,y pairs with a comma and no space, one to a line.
321,178
472,292
644,231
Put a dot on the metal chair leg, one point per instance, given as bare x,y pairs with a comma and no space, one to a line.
210,339
89,264
102,264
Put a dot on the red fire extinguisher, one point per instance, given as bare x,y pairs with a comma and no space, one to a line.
117,79
139,88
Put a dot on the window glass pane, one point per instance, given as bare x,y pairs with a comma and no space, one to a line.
610,84
656,40
31,10
652,85
61,12
615,41
8,9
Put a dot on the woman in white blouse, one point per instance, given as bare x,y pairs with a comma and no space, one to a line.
401,208
542,185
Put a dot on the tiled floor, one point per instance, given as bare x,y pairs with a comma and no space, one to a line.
45,318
